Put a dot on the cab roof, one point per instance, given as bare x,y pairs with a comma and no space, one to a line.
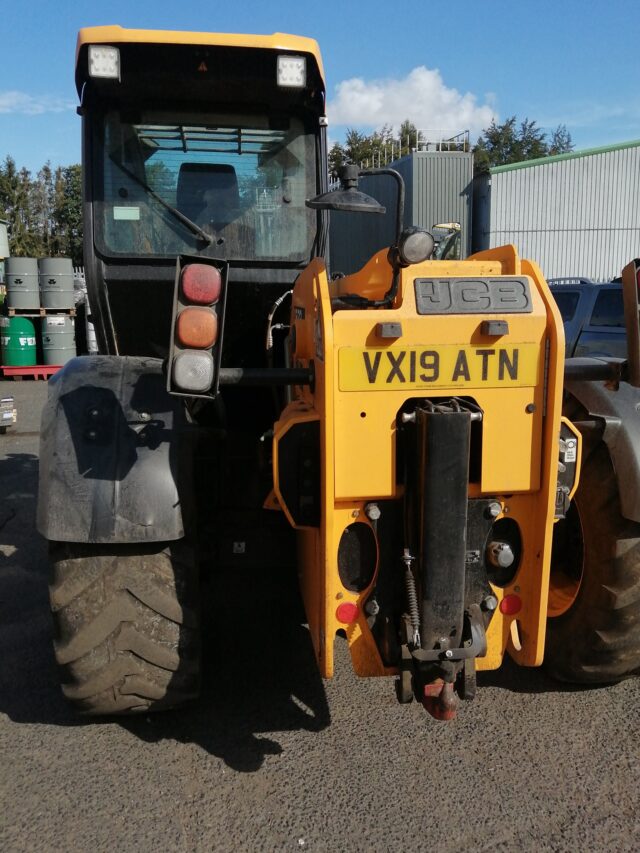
116,34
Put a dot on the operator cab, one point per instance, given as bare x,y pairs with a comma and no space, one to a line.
202,145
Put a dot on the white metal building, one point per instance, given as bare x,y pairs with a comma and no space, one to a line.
575,214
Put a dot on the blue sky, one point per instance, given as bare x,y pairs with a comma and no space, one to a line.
447,66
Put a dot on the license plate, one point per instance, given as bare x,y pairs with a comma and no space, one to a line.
449,366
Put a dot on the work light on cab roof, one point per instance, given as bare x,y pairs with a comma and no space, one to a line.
104,61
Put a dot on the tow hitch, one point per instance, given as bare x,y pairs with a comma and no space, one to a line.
449,600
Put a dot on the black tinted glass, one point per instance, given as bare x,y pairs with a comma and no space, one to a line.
567,303
609,309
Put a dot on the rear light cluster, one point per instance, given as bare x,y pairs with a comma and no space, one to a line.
198,321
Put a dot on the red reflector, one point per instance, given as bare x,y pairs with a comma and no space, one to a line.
510,605
201,283
197,327
347,612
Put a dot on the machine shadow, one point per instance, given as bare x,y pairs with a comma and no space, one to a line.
524,679
259,672
259,676
29,691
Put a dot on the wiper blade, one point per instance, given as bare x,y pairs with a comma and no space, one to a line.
191,225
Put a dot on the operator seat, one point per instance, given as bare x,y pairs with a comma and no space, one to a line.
208,193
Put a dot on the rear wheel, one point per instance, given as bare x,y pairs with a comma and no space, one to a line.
593,630
126,627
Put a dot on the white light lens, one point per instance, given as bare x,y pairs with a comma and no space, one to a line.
104,61
416,245
193,371
292,71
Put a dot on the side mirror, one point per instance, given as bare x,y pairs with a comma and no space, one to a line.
348,197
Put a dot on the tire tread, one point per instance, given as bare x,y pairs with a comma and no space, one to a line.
598,639
126,626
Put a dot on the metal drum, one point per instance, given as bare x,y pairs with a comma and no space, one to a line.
58,339
22,283
17,342
56,282
92,340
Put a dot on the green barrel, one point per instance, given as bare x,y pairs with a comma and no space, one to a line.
18,342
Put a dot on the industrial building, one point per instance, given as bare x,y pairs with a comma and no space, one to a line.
575,214
439,189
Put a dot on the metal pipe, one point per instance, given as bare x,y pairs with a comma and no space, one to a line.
594,369
266,376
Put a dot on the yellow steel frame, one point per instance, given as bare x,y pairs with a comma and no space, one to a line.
521,428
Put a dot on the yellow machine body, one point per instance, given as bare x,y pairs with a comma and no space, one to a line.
362,381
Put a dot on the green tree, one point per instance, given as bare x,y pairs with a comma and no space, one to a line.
17,201
45,213
510,142
375,149
408,137
43,197
67,212
337,158
560,142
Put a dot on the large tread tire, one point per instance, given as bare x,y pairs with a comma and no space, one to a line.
126,626
597,640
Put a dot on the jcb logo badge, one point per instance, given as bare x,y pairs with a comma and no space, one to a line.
503,295
442,367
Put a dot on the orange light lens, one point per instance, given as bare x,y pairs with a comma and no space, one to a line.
201,283
197,328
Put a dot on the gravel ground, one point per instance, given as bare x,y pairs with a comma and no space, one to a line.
274,758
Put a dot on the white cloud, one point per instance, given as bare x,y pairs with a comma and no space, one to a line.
32,105
421,96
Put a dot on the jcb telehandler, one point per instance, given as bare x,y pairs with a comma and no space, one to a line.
457,489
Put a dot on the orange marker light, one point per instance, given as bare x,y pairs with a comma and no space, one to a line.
510,605
201,284
197,328
347,612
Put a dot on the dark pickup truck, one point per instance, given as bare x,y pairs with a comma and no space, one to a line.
593,315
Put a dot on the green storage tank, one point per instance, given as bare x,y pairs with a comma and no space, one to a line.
17,342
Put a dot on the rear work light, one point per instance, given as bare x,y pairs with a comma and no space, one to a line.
292,71
196,333
104,61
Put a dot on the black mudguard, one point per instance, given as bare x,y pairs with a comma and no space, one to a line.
114,454
619,409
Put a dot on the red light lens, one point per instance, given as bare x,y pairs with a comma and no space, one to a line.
201,284
510,605
347,612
